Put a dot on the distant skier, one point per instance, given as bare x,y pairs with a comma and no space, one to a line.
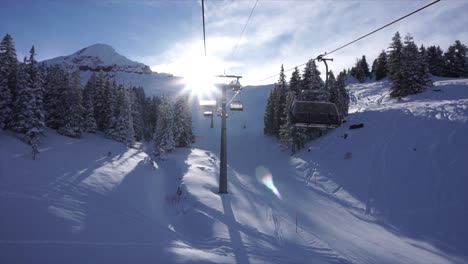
109,154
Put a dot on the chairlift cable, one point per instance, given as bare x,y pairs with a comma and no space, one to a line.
356,40
203,17
243,29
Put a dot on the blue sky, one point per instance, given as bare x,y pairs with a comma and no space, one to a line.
167,34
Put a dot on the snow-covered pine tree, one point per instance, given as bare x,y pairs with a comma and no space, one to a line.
456,60
435,60
35,82
381,66
269,115
280,103
163,135
8,75
343,96
275,124
151,116
424,74
286,129
122,130
5,100
110,110
415,73
183,134
311,81
395,68
334,92
100,101
295,82
364,66
23,112
137,100
55,103
73,118
89,122
27,112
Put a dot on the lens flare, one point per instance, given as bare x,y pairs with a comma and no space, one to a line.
264,176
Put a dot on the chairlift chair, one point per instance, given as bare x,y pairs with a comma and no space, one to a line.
207,105
236,106
315,114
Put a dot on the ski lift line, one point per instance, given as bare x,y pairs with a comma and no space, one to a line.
203,16
356,40
243,29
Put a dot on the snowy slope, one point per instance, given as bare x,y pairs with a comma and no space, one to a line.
327,191
102,57
77,205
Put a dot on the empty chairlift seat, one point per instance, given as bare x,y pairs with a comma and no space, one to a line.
208,113
315,114
236,106
207,105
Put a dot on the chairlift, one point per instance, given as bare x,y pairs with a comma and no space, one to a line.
236,106
235,85
315,114
207,105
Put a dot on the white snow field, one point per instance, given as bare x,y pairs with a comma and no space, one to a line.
75,204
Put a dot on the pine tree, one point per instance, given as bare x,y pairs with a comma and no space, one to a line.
23,111
342,100
269,116
35,82
311,81
381,66
183,134
163,135
73,118
110,109
55,103
280,103
435,60
334,92
137,100
295,82
28,117
286,130
89,122
151,116
100,101
456,60
122,129
395,68
8,73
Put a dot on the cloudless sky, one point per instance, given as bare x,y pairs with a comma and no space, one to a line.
167,34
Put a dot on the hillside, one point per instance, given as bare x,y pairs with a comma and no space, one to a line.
76,204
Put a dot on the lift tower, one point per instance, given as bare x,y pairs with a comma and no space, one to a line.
235,85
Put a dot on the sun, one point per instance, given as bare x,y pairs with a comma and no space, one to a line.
198,74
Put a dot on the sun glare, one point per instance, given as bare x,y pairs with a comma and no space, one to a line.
198,74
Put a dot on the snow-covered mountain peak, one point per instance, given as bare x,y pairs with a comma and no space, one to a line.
105,53
100,57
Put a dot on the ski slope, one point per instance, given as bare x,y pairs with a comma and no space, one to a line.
76,204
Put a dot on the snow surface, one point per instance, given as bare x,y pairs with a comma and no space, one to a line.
77,205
